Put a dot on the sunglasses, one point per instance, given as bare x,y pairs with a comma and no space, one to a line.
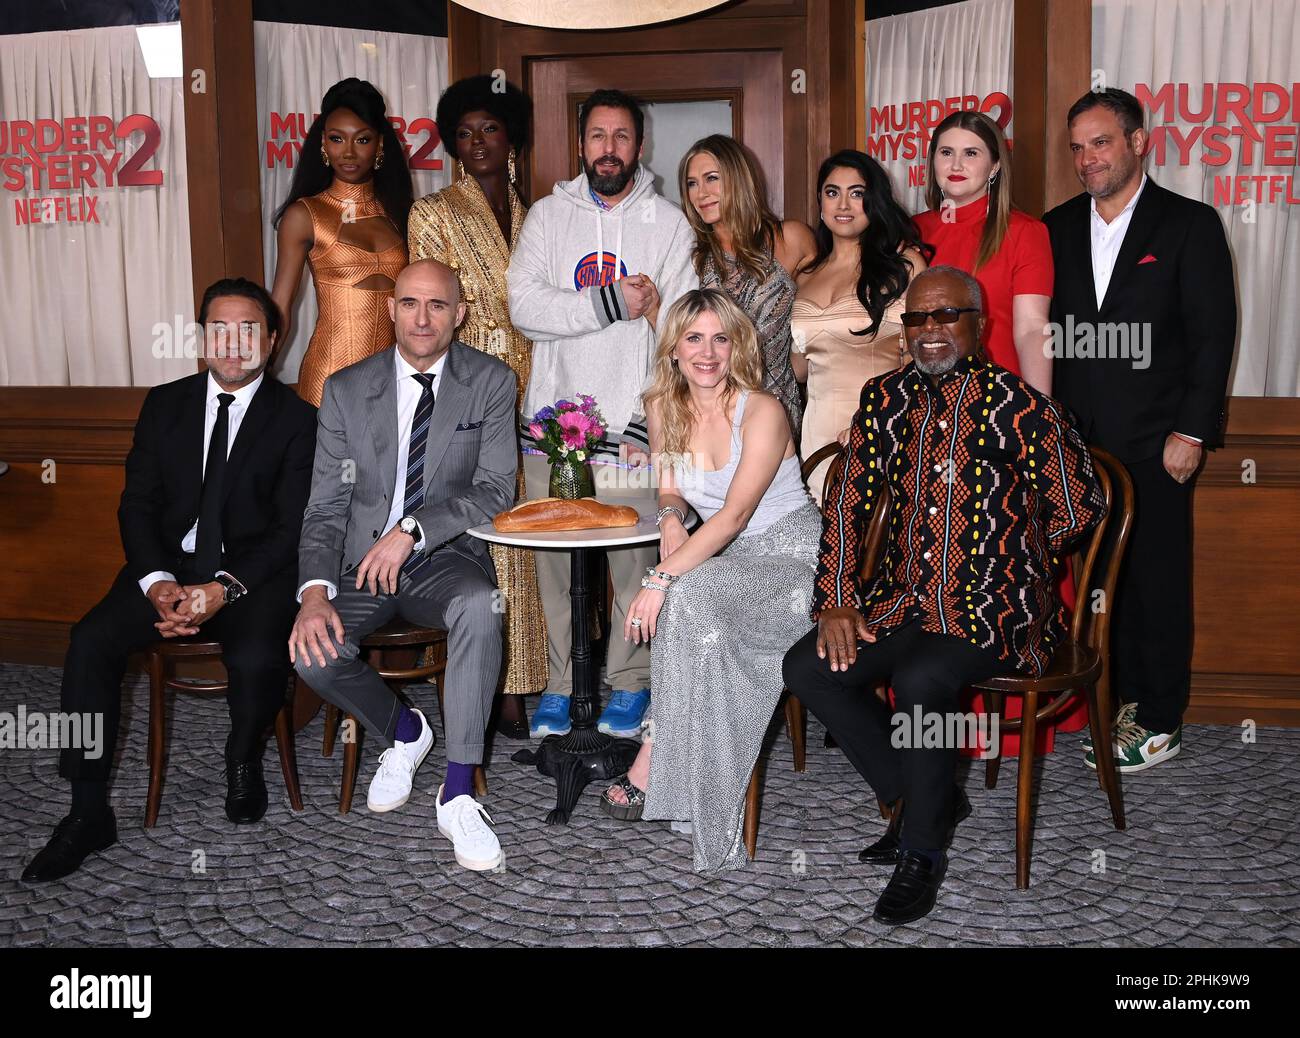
944,315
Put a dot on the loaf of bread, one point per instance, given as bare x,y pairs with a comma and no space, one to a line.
551,514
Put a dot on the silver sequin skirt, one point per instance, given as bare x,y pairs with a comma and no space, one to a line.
715,664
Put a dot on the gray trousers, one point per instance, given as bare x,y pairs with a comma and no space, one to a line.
454,593
627,665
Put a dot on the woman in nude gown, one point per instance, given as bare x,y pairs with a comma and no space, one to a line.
345,217
472,227
845,321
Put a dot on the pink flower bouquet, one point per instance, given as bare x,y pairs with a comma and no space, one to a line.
569,431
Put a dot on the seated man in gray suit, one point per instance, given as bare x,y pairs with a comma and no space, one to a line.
413,447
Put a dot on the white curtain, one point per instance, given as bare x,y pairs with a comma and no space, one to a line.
296,64
916,64
82,303
1145,45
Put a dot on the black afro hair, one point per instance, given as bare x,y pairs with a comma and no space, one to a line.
491,94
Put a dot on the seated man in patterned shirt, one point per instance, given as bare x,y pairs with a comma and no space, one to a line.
987,482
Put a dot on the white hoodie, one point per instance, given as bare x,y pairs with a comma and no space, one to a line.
564,294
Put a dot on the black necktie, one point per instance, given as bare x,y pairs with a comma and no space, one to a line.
207,542
414,498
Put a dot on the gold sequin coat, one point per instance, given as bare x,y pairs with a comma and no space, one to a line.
456,226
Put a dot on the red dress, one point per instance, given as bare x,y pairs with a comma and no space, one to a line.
1022,266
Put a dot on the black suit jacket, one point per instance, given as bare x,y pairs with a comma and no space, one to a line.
1184,298
267,481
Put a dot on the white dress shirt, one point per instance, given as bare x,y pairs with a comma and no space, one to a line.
1107,239
408,398
238,408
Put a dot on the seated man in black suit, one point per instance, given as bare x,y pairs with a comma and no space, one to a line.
216,484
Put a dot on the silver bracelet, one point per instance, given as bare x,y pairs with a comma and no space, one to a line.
650,585
654,574
659,516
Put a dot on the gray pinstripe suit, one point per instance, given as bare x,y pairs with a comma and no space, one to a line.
470,467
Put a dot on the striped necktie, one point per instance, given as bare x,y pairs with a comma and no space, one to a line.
414,499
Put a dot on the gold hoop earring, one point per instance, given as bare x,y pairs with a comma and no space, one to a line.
323,157
379,161
510,166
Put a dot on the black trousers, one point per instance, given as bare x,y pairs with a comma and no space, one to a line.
1151,632
254,637
925,670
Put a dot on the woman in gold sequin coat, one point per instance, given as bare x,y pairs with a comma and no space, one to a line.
472,226
345,217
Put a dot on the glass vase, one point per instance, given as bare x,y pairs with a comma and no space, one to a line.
572,479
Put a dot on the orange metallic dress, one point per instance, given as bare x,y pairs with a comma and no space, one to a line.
353,322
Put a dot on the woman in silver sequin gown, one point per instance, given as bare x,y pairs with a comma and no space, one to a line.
743,248
739,585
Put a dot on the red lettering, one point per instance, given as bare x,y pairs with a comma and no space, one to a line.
915,113
399,127
1234,98
280,154
56,168
284,125
1278,151
970,102
951,104
1222,191
1163,98
74,133
101,133
15,179
1262,92
1004,108
48,128
879,118
132,175
22,135
83,171
90,205
1217,151
109,167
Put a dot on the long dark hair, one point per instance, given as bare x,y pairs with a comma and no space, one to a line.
392,179
883,271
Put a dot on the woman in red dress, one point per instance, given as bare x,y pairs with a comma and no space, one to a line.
972,226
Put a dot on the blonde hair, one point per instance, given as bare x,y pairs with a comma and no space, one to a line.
744,210
669,390
999,215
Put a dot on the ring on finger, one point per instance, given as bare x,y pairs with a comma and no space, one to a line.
636,621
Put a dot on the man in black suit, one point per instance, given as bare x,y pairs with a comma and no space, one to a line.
1144,322
216,484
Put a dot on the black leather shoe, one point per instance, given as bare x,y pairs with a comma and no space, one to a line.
74,840
245,791
885,850
912,889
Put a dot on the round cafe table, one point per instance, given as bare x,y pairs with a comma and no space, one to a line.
584,755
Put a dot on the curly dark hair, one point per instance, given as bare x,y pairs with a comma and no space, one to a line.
498,97
392,179
884,273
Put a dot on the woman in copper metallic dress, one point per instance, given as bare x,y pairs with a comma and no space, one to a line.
472,227
345,217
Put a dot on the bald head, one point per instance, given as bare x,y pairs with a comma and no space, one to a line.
426,309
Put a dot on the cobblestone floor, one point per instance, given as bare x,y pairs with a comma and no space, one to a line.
1211,855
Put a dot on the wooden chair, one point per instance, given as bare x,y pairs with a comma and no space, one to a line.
392,651
162,659
795,712
1081,663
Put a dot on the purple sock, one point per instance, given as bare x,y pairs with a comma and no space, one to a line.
408,726
460,782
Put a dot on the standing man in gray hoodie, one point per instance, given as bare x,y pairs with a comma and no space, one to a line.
596,262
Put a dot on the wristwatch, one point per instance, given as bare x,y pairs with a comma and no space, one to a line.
408,525
234,589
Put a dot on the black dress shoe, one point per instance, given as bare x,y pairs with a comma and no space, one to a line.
885,850
912,889
74,840
511,728
245,791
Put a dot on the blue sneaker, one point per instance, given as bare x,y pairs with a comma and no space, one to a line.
622,714
551,717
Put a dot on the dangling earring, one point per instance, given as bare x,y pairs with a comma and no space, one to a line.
460,170
323,157
379,160
510,167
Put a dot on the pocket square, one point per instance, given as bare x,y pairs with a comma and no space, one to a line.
469,425
1148,258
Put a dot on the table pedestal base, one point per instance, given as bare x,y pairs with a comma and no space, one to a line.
575,760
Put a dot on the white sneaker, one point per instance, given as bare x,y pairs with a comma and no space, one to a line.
391,786
462,822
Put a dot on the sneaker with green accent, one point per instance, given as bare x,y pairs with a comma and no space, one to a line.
1127,715
1137,749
